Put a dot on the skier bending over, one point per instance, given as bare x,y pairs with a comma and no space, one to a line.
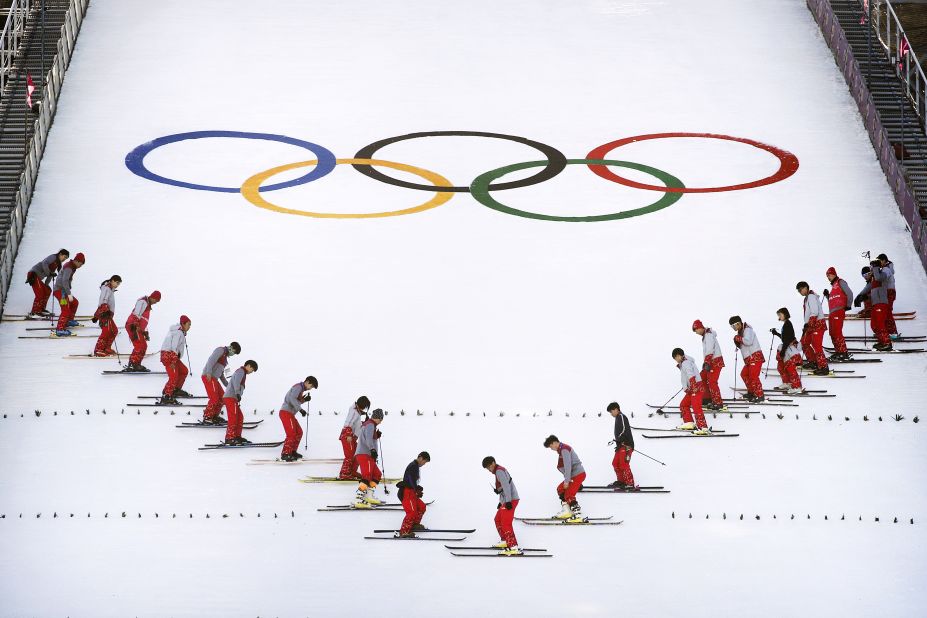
213,372
367,456
39,276
411,492
106,309
348,437
569,465
750,350
692,401
292,402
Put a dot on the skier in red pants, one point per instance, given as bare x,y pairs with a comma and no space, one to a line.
292,402
232,400
888,267
137,328
712,364
39,276
838,298
213,372
624,447
348,436
877,291
106,309
410,492
63,294
750,350
505,510
569,465
812,335
171,353
692,401
863,300
367,461
788,355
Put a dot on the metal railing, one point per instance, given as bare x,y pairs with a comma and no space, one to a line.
13,31
887,27
49,103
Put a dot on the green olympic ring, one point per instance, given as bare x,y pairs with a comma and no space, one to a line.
479,189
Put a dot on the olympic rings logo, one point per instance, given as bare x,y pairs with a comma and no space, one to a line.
480,188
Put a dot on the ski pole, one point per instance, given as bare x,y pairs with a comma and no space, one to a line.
116,347
187,348
769,358
736,359
660,409
383,461
649,457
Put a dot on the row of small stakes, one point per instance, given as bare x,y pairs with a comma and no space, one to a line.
723,517
730,414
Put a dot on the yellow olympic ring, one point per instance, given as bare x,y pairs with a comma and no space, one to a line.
251,190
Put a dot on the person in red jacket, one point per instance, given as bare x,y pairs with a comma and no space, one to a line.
839,297
137,328
106,309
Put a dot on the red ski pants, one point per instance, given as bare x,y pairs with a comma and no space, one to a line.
692,402
788,369
139,345
750,374
68,310
104,345
890,318
813,344
294,433
710,382
835,325
622,465
236,418
42,292
414,508
176,372
214,392
879,321
369,471
503,520
348,445
569,494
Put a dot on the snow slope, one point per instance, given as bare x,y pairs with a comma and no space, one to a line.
461,309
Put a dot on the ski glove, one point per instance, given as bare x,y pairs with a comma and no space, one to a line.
419,492
30,277
774,332
225,382
508,506
738,340
826,293
858,301
374,454
497,490
706,366
147,338
303,412
377,434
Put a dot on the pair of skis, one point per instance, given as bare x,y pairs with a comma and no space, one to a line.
305,460
423,538
640,489
202,425
870,351
385,506
335,479
222,445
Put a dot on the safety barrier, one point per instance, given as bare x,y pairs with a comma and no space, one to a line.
49,104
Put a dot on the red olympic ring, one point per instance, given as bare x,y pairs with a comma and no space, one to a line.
788,163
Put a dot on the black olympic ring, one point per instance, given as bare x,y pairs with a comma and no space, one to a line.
556,161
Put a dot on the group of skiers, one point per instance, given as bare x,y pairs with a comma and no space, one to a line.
701,386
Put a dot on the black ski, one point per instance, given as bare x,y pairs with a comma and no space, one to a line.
349,509
673,429
460,530
134,373
210,447
739,404
868,351
585,487
201,425
692,435
490,548
854,360
587,521
625,491
415,538
743,390
914,338
177,397
501,555
166,405
555,519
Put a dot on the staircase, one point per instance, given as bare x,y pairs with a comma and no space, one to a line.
17,123
895,110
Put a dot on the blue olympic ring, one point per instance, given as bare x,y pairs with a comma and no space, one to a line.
135,160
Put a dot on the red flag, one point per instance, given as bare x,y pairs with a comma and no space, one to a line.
30,88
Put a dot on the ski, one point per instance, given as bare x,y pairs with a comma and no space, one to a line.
9,317
211,447
415,538
134,373
904,315
624,491
769,398
54,336
672,429
805,394
692,435
48,328
833,375
585,487
566,522
201,425
270,462
335,479
133,404
867,351
854,360
499,554
490,548
911,338
740,404
743,390
554,519
178,397
347,509
448,530
92,357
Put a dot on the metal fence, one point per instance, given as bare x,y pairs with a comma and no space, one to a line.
889,33
51,89
12,34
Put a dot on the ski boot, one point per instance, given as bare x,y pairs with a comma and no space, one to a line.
616,485
501,545
360,501
167,400
565,512
296,456
371,498
749,397
895,337
822,371
179,392
73,323
782,387
883,347
686,427
211,420
404,535
242,441
418,527
758,399
287,457
576,509
702,431
796,391
62,332
512,551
